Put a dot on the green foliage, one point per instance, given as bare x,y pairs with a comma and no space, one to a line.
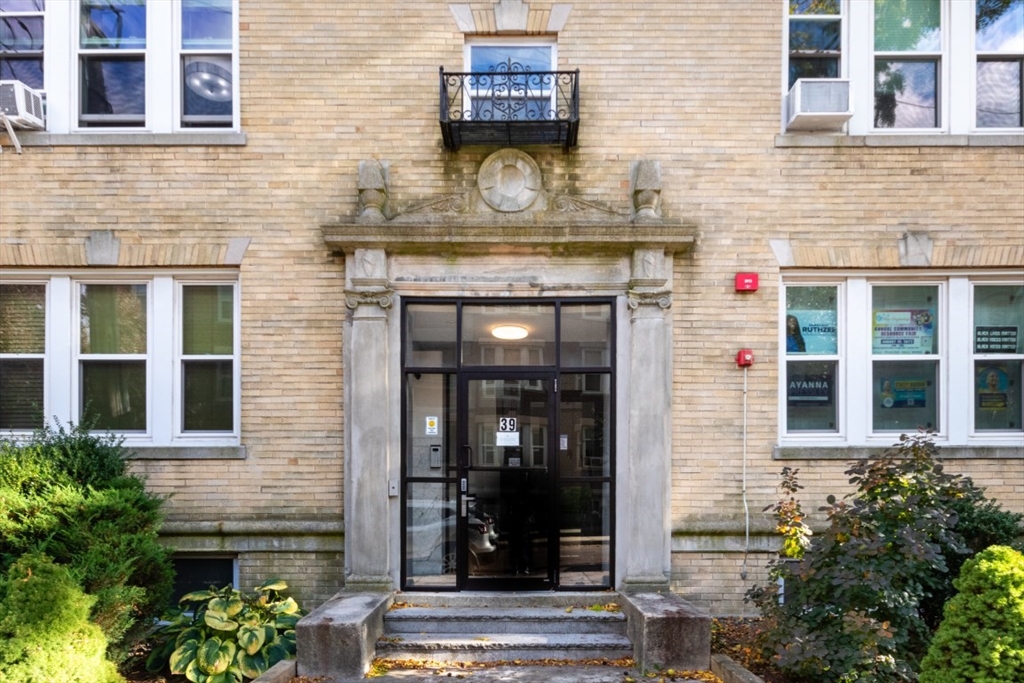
45,631
981,638
789,517
67,493
226,636
854,611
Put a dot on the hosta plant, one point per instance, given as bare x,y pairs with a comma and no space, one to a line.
226,636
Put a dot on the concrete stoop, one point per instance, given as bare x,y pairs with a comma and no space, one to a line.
343,636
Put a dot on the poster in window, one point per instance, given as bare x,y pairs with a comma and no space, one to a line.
995,339
992,385
806,390
903,331
811,331
904,393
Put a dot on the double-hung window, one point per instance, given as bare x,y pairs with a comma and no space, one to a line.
511,81
151,357
158,66
915,66
868,358
21,42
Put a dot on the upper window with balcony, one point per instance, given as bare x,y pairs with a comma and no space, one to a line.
510,94
156,66
909,66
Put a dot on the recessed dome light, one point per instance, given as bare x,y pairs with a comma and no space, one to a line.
510,332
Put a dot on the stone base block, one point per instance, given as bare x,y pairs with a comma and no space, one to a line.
667,632
339,638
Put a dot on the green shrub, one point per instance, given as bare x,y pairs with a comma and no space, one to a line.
67,493
226,636
855,605
981,637
45,631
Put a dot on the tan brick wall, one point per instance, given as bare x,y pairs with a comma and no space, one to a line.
694,85
714,581
312,578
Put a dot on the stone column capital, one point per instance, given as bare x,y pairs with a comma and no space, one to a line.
636,299
381,297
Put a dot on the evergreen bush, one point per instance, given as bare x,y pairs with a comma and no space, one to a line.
981,637
68,493
45,631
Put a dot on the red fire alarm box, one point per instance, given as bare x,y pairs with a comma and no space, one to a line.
746,282
745,358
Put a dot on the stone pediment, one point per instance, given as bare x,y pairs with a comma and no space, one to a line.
509,210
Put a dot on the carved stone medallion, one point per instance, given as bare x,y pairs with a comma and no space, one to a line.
509,180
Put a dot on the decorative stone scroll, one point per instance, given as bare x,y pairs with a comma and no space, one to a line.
382,298
636,299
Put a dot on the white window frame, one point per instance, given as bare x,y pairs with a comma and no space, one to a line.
957,77
164,102
508,42
854,379
164,388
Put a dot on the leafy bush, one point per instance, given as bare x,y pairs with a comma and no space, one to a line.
67,493
789,517
856,608
45,631
981,638
225,636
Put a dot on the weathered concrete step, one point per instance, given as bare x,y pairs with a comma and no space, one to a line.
523,620
495,647
502,600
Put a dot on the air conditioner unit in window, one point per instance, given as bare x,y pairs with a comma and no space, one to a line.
22,105
819,104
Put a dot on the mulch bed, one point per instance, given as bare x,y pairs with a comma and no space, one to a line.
737,637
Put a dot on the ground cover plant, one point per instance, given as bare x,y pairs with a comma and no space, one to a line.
859,603
226,636
68,494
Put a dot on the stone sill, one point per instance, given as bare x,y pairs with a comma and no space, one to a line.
44,139
186,452
851,453
898,140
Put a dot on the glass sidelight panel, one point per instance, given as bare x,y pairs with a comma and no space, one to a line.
430,534
584,441
430,425
584,522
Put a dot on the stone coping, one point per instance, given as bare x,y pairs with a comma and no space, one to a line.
898,140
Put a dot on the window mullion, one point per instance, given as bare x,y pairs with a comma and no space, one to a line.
160,109
960,70
860,63
857,407
60,344
164,395
958,388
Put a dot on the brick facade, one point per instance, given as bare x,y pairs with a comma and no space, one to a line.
694,86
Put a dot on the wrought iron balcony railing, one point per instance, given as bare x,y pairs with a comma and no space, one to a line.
510,106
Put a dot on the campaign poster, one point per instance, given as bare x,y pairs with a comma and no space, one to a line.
992,387
903,393
811,331
807,390
903,331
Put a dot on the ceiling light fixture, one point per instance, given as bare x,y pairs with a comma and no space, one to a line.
510,332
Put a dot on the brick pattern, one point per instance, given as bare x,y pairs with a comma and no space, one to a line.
325,84
312,578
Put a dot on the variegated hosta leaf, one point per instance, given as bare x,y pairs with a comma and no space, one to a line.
197,596
287,606
288,640
248,618
191,633
195,674
285,621
230,605
182,657
276,652
272,585
215,656
219,621
253,664
251,638
225,677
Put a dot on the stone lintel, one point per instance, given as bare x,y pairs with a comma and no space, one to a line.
450,235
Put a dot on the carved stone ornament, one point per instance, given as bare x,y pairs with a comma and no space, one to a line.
660,299
380,297
509,180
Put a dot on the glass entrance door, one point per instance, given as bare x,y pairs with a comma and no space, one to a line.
507,524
